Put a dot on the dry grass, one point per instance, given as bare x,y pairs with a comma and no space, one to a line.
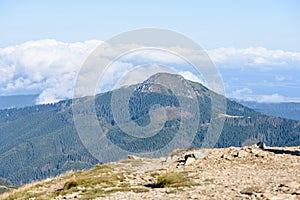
97,179
97,182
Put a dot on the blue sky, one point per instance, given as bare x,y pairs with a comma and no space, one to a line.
255,44
273,24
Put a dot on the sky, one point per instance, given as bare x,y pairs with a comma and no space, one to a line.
254,44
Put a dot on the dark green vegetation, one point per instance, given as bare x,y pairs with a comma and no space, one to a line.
38,142
286,110
41,141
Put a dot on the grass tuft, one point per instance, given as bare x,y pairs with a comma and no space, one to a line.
70,184
173,179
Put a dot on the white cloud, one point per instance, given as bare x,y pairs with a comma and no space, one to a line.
158,55
246,94
45,66
239,92
254,56
273,98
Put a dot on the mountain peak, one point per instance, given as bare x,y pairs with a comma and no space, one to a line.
163,76
170,84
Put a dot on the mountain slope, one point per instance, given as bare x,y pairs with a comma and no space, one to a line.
41,141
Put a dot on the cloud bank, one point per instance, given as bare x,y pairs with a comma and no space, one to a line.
49,67
257,57
246,94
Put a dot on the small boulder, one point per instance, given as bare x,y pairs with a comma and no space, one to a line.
189,161
196,154
241,154
252,190
132,157
235,153
261,145
297,192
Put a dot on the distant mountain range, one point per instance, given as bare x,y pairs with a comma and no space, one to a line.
285,110
41,141
17,101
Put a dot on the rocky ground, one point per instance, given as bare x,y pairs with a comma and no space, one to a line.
251,172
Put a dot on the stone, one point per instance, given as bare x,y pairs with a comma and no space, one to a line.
234,153
189,161
196,154
261,145
252,190
297,192
241,154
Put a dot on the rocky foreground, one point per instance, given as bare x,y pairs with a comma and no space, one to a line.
250,172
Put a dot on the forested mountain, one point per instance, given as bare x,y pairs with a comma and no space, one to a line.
41,141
